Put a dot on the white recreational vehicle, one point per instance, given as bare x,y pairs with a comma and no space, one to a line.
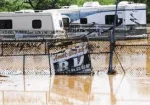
27,23
131,18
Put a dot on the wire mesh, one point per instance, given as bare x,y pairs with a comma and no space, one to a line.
97,47
130,56
134,59
22,48
37,65
11,65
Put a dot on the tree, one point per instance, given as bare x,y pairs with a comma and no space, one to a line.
11,5
49,4
42,4
2,3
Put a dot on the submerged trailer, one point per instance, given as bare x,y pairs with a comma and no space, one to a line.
96,19
29,24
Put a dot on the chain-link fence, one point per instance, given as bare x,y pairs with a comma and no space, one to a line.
33,56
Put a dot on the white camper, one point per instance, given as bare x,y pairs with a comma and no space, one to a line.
129,16
19,24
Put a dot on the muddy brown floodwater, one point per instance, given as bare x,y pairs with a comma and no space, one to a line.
75,90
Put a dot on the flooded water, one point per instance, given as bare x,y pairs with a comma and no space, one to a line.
131,88
75,90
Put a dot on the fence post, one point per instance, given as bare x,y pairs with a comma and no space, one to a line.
23,64
49,58
2,48
112,48
112,43
45,46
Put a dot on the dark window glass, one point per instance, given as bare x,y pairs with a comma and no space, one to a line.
83,20
5,24
66,22
109,19
36,24
60,23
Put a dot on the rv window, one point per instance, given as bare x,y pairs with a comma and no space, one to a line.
109,19
36,24
83,20
5,24
60,23
66,22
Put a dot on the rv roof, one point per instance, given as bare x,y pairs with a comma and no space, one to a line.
25,11
125,2
73,6
91,4
108,7
96,4
25,14
49,11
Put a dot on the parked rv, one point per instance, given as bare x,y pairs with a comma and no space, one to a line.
27,23
93,17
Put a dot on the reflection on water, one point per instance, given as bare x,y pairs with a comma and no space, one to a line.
75,90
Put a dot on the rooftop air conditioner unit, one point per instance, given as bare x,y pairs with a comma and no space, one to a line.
91,4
